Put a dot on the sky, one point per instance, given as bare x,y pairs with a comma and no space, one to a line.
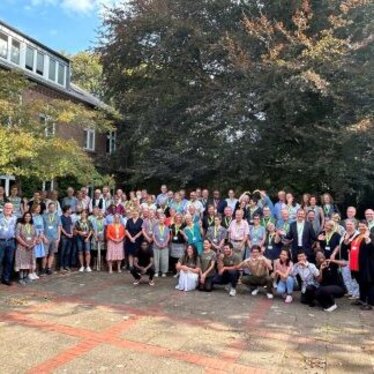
63,25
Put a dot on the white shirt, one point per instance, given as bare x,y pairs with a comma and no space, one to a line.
198,206
232,203
300,231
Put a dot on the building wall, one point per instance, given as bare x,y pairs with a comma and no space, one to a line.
63,130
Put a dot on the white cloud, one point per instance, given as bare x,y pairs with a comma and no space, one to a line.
78,6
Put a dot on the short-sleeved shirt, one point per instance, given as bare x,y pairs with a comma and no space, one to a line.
67,224
7,227
257,266
144,257
51,224
232,260
71,201
206,259
190,262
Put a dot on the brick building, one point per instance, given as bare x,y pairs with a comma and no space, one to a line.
51,71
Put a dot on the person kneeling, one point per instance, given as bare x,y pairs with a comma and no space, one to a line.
143,264
283,279
331,282
228,272
259,267
189,269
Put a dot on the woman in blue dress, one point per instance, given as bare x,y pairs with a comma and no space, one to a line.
39,247
193,233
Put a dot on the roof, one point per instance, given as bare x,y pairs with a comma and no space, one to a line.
57,54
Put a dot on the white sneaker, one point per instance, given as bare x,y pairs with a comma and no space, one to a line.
177,287
176,275
81,269
163,275
288,299
30,277
156,275
232,292
331,309
270,296
255,292
88,269
35,275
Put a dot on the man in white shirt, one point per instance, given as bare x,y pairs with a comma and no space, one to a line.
196,203
239,233
231,200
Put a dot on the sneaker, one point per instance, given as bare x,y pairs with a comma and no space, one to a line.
67,269
88,269
288,299
270,296
27,280
81,269
137,282
35,276
30,277
227,288
177,287
232,292
255,292
331,309
22,282
156,275
42,273
151,283
163,275
176,275
366,307
353,297
49,271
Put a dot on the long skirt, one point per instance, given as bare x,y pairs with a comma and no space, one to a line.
187,281
25,259
114,251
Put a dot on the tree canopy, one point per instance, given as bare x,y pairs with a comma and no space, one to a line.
243,93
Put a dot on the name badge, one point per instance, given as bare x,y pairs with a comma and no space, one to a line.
215,240
29,238
354,248
161,240
50,227
270,247
175,238
327,249
193,239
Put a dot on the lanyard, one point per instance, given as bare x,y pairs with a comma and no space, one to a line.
271,236
100,225
216,229
255,231
191,230
328,238
51,218
116,228
177,228
161,228
210,221
229,222
28,228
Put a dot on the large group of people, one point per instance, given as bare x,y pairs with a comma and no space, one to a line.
203,240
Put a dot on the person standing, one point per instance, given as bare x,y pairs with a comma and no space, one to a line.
70,200
16,201
329,240
193,233
178,242
25,258
39,250
161,238
216,235
239,233
231,201
302,237
84,230
134,234
115,235
52,233
67,235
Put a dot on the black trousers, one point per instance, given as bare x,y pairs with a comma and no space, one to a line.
309,295
228,276
326,295
172,263
136,273
366,289
207,286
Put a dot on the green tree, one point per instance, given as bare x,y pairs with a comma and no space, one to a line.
272,94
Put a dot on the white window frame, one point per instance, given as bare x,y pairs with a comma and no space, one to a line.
89,140
49,127
112,139
6,57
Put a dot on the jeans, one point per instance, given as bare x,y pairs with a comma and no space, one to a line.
66,246
325,295
7,251
285,286
228,276
73,253
82,245
350,283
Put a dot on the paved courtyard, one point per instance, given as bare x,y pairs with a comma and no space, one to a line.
101,323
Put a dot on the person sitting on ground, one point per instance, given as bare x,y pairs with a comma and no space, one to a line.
143,264
308,274
189,269
208,259
227,264
331,282
282,275
259,267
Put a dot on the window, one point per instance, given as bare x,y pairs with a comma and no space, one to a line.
39,63
3,45
29,63
111,142
89,139
49,126
61,74
52,69
15,55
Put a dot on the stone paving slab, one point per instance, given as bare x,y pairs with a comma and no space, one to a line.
95,323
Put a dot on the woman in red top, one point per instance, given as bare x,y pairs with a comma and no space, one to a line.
361,263
115,235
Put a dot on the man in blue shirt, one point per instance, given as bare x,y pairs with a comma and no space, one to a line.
52,232
7,243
